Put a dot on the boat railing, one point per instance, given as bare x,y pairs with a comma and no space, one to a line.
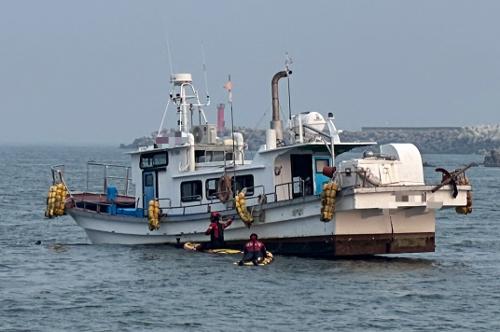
214,197
58,176
57,173
100,206
184,207
289,189
258,197
165,199
109,174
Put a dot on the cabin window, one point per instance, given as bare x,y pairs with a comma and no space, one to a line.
244,181
217,156
211,186
320,163
202,156
148,180
199,156
191,191
154,160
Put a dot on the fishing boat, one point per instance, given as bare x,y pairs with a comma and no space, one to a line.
293,192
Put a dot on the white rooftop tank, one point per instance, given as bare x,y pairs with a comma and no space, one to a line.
311,119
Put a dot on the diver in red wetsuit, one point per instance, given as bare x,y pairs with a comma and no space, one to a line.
216,232
255,251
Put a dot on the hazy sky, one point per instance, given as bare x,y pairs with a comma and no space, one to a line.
98,71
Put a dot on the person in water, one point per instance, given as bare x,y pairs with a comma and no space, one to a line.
255,251
216,232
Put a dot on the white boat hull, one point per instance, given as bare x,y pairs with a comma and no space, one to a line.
290,227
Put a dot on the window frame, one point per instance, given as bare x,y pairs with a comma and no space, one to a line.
320,160
192,198
214,196
249,192
149,180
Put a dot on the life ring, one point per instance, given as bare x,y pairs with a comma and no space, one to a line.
224,189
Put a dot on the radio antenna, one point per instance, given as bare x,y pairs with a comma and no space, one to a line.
205,75
163,118
288,62
169,54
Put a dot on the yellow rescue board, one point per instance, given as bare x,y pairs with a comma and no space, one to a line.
223,251
266,261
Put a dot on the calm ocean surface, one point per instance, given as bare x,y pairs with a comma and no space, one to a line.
65,284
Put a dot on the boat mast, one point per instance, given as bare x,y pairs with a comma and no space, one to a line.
187,99
229,87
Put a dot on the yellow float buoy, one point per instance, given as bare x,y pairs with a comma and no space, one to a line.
328,200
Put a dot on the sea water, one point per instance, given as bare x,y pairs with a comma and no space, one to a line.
66,284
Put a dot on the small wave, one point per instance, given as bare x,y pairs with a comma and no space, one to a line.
57,247
187,324
77,307
423,296
464,243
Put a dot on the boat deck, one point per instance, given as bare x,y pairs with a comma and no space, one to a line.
100,202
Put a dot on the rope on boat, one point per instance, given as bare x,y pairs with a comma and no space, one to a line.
328,199
56,200
367,175
242,209
154,214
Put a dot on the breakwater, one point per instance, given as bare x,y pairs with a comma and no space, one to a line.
452,140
